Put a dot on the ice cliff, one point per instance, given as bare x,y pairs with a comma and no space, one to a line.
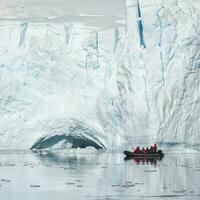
71,84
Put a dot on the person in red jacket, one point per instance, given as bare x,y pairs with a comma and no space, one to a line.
154,148
147,150
137,150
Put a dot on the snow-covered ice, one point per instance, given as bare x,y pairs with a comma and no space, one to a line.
160,87
73,73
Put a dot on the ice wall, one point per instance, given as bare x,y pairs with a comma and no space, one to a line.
64,82
159,86
52,76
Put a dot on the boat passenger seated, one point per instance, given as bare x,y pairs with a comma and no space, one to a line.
147,150
143,150
137,150
154,148
151,150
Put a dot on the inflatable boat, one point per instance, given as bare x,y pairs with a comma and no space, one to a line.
157,154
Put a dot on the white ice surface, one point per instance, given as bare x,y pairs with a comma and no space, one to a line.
66,67
102,13
161,88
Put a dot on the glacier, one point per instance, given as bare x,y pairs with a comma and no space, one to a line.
83,80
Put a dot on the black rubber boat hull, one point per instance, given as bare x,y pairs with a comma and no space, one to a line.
134,155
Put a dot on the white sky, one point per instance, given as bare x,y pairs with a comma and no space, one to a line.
108,13
46,8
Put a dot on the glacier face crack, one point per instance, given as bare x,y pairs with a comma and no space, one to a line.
24,28
160,44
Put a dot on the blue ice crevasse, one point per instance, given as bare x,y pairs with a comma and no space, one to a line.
140,26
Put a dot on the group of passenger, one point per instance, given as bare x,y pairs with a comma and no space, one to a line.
152,149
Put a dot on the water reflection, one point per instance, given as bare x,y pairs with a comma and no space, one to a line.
144,160
98,176
71,159
60,159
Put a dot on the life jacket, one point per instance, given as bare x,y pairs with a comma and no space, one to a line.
147,150
137,150
154,148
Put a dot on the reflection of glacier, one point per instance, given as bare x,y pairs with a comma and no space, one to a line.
175,177
67,85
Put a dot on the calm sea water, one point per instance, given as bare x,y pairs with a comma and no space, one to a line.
59,176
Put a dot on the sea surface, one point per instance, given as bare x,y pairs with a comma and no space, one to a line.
100,176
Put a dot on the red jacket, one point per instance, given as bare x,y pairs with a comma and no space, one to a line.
137,150
147,150
154,148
